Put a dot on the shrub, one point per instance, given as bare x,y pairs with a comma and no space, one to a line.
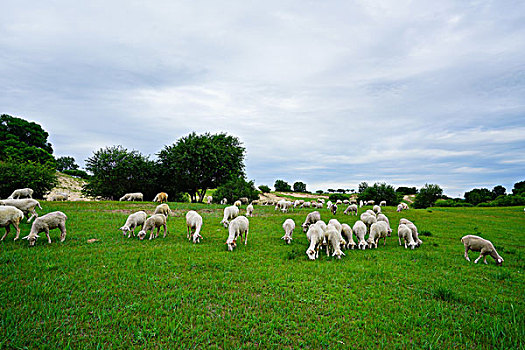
427,196
13,175
78,173
235,189
338,196
264,189
282,186
379,192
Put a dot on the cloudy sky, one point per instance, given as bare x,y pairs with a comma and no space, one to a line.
331,93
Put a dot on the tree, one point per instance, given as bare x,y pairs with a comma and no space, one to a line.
299,186
499,191
66,163
23,141
519,188
405,191
380,192
196,163
264,189
331,190
282,186
117,171
319,191
13,175
236,188
362,186
427,196
478,195
341,190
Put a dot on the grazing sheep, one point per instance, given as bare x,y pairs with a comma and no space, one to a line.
161,197
288,226
376,209
47,222
336,223
296,203
237,204
402,206
21,193
194,225
315,236
368,219
137,196
346,201
320,200
10,216
333,209
249,210
370,203
353,201
59,197
352,208
155,221
382,217
338,202
133,221
478,244
347,234
329,205
415,234
238,226
321,224
224,201
399,208
334,240
308,205
163,209
360,232
26,205
230,212
209,199
244,200
378,230
405,233
382,203
285,205
311,218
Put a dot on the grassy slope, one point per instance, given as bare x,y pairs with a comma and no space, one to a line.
169,293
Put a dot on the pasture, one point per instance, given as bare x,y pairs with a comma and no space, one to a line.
170,293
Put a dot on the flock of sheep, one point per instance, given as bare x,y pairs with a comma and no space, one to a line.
332,236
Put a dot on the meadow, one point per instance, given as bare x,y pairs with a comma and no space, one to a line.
170,293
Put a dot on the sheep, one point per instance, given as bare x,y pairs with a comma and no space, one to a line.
155,221
370,203
368,219
163,209
209,199
376,209
133,221
336,223
399,208
161,197
485,247
296,203
405,206
347,233
249,210
315,236
338,202
405,233
194,224
361,204
307,205
382,204
59,197
21,193
415,234
360,232
346,201
224,201
284,205
321,224
47,222
10,215
288,226
237,204
244,200
353,201
352,208
230,212
329,205
237,227
137,196
333,209
333,241
402,206
311,218
26,205
382,217
371,212
378,230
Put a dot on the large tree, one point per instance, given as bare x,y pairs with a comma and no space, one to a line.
379,192
428,195
282,186
196,163
299,186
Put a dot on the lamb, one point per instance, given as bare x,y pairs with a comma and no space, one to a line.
334,240
288,226
405,233
347,233
209,199
238,226
21,193
194,224
352,208
163,209
249,210
382,203
315,236
382,217
26,205
237,204
378,230
415,234
133,221
478,244
10,216
311,218
155,221
333,209
137,196
360,232
47,222
230,212
376,209
161,197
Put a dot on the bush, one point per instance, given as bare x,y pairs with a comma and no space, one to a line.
379,192
13,175
78,173
282,186
428,195
299,186
235,189
264,189
338,196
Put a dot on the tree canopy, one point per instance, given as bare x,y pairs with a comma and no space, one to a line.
428,195
379,192
282,186
299,186
66,163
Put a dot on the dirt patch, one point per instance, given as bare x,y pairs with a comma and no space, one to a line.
70,185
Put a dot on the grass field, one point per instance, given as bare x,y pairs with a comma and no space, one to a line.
169,293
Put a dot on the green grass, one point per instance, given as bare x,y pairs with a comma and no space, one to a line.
169,293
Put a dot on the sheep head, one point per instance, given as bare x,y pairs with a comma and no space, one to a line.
32,237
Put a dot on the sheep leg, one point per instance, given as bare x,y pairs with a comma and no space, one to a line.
35,215
246,237
187,232
7,229
466,253
47,234
152,232
165,229
479,257
62,228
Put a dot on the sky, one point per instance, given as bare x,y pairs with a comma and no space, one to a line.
330,93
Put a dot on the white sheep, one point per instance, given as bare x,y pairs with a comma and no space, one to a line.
368,219
315,236
209,199
378,230
411,226
402,206
249,210
361,204
224,201
156,221
338,202
359,229
485,247
163,209
288,226
137,196
230,212
352,208
346,201
405,233
161,197
347,234
47,222
308,205
329,205
238,226
59,197
285,205
237,203
321,224
194,226
311,218
382,203
21,193
10,216
336,223
370,203
133,221
333,241
382,217
376,209
26,205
